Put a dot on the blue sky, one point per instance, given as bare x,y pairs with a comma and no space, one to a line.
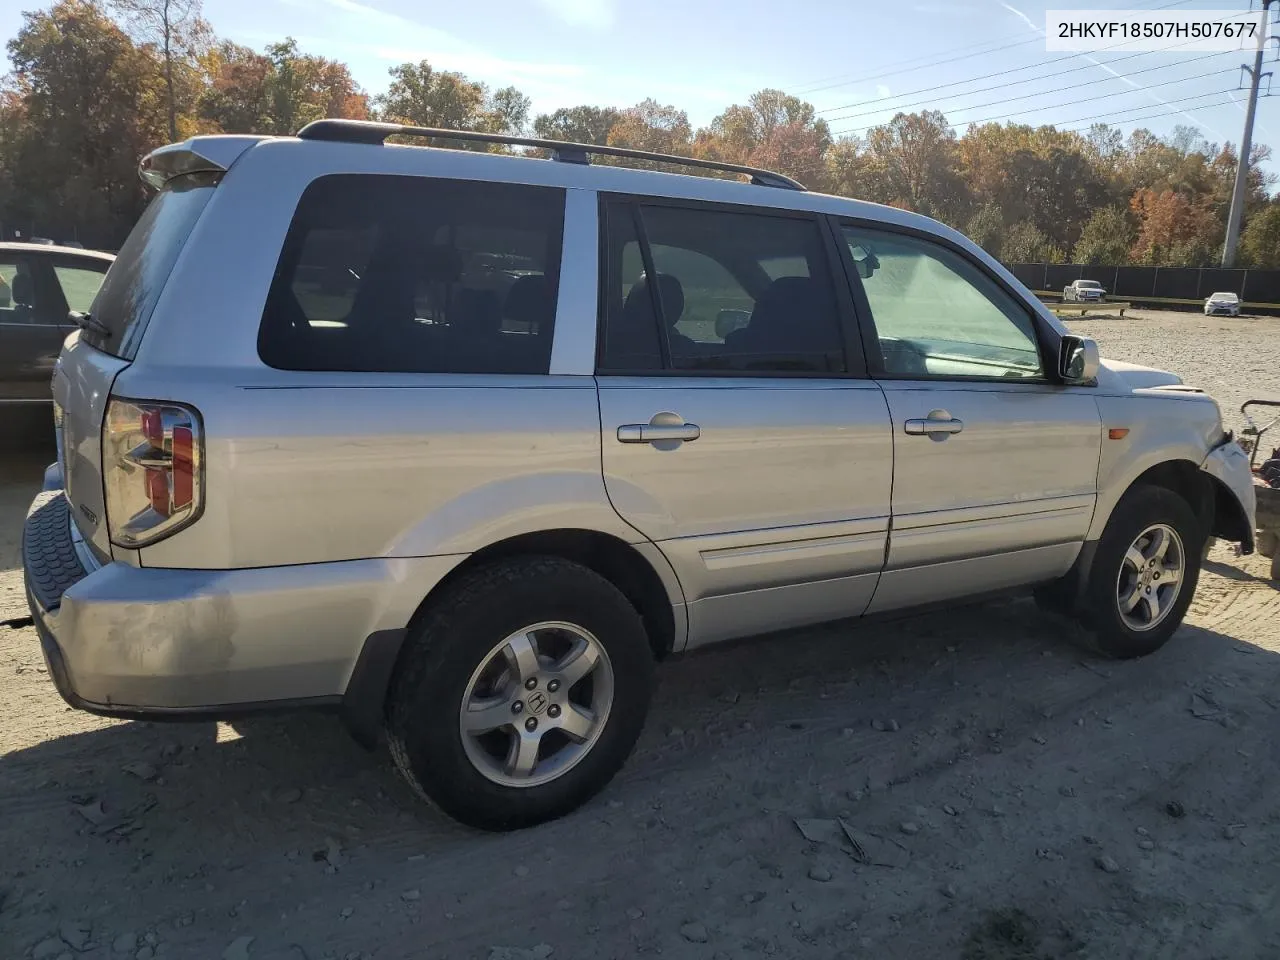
858,61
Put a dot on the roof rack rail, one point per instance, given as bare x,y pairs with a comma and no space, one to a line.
367,131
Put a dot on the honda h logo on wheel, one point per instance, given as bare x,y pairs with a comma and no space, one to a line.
537,702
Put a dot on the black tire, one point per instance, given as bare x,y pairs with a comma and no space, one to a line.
1054,598
1137,510
449,643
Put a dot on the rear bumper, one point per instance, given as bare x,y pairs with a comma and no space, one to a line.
178,644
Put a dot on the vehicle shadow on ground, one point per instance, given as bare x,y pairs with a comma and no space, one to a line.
1231,572
741,740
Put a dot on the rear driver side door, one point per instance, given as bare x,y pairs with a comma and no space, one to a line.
739,431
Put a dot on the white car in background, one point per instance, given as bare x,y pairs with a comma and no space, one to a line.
1227,303
1083,291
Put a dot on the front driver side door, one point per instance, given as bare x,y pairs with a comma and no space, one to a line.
995,462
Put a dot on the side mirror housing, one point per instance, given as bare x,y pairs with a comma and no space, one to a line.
1078,359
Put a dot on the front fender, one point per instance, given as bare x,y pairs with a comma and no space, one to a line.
1229,466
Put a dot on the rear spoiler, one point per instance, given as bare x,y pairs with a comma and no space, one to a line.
197,155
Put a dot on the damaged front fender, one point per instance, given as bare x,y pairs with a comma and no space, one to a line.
1236,508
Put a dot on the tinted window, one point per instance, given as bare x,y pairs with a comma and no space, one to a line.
408,274
936,314
734,292
133,284
79,284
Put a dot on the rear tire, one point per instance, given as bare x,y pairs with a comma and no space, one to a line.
1133,603
486,779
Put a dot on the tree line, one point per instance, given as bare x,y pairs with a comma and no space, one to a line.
93,87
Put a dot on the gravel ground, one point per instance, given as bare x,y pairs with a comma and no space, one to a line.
1233,359
1012,796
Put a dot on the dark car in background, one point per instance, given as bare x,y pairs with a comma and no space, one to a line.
41,288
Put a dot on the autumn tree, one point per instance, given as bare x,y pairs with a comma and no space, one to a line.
915,158
1105,239
1175,230
178,32
92,104
773,130
655,127
277,92
1038,174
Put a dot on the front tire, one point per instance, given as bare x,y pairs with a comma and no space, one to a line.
1144,573
520,693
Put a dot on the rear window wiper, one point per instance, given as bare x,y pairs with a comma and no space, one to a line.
86,321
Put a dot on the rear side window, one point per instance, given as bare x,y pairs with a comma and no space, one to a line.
415,275
133,284
701,290
80,283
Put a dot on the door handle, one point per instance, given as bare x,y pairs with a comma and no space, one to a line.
938,425
657,432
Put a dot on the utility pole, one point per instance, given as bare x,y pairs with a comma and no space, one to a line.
1246,142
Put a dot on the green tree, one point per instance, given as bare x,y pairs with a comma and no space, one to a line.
1105,239
986,229
1024,242
583,124
420,95
1260,242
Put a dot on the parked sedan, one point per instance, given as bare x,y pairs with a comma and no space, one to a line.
41,287
1226,303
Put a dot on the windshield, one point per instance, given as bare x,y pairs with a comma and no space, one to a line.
1089,284
1230,297
123,306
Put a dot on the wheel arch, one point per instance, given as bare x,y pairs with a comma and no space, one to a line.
632,568
640,571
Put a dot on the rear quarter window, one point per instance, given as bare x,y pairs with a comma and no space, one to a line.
416,275
129,293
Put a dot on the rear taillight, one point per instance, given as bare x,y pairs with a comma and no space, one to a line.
151,454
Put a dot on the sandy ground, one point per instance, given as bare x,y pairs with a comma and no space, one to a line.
1018,798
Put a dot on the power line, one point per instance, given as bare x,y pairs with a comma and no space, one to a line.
842,79
985,76
911,69
1155,116
1018,113
913,64
1000,86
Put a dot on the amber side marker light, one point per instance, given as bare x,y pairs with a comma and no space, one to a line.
1118,433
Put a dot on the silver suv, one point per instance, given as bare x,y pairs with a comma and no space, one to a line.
459,443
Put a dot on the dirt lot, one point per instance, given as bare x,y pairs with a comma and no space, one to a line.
1024,800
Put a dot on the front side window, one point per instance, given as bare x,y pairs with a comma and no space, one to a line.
416,275
706,291
936,314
